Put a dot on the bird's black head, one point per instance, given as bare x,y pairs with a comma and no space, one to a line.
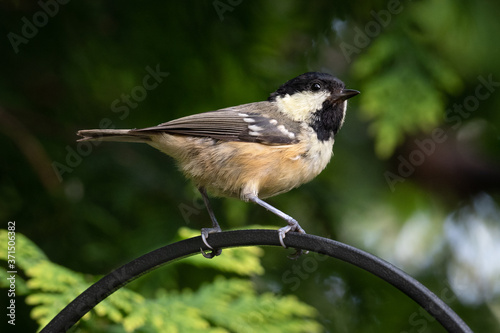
318,99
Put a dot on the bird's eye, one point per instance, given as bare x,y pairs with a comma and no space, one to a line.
316,87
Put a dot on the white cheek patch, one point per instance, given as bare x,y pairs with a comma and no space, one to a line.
301,105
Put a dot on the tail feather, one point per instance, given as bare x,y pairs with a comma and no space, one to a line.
116,135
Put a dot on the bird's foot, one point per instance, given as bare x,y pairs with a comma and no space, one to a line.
204,235
293,226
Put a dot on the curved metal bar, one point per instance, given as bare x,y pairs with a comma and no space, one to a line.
137,267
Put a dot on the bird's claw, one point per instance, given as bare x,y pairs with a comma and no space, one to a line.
204,235
210,255
295,227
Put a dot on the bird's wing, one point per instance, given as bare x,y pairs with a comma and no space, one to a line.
259,122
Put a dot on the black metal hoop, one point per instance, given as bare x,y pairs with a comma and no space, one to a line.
137,267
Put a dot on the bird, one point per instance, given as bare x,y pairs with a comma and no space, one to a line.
251,151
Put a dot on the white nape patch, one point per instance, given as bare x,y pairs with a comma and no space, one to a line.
291,135
249,120
273,122
300,105
242,115
255,128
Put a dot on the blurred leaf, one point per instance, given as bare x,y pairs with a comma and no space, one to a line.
406,97
226,305
27,253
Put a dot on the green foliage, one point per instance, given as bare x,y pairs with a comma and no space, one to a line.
30,254
404,85
225,305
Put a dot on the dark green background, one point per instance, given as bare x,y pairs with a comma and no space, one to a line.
120,201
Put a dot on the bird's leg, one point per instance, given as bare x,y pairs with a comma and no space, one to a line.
293,225
206,231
